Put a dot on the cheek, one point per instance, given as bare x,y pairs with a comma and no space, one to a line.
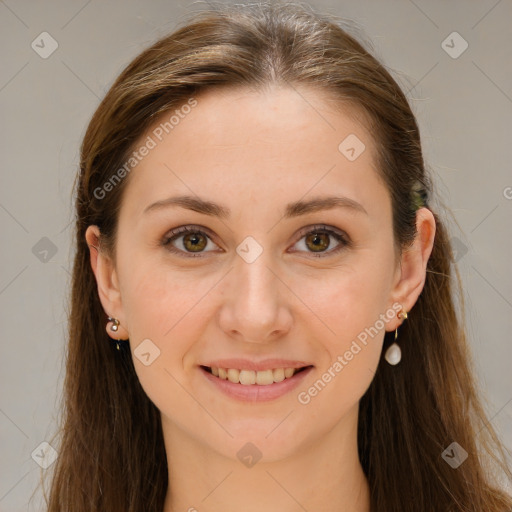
349,308
352,344
162,304
344,301
169,307
163,307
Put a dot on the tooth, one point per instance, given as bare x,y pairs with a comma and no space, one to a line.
247,377
288,372
264,377
278,374
233,375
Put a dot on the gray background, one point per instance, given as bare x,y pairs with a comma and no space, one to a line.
463,106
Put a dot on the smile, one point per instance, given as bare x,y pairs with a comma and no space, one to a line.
251,385
250,377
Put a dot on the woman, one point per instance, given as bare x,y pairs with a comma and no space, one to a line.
255,232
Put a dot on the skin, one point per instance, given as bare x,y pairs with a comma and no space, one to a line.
284,304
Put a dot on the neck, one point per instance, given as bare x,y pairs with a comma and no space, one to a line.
323,475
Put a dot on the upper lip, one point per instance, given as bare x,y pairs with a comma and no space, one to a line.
247,364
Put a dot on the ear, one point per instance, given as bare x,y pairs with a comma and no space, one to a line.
412,271
106,278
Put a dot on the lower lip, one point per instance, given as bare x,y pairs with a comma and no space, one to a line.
256,392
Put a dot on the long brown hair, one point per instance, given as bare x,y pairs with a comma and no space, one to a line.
110,443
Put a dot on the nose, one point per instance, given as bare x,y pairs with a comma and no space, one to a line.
255,309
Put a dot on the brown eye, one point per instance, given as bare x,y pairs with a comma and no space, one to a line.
318,242
190,241
186,241
194,242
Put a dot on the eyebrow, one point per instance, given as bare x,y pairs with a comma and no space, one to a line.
294,209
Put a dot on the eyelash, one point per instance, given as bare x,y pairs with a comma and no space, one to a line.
174,234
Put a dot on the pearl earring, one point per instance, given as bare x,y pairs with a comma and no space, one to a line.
393,353
115,327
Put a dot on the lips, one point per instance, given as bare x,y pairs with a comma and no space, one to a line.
256,385
246,372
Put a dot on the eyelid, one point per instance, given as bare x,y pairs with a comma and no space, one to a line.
323,228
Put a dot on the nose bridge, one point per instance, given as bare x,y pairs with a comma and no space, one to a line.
256,285
254,257
253,307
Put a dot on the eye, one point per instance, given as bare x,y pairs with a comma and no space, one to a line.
193,240
317,240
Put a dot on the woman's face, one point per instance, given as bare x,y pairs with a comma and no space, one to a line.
262,280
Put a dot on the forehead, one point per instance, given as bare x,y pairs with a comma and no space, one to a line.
274,146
